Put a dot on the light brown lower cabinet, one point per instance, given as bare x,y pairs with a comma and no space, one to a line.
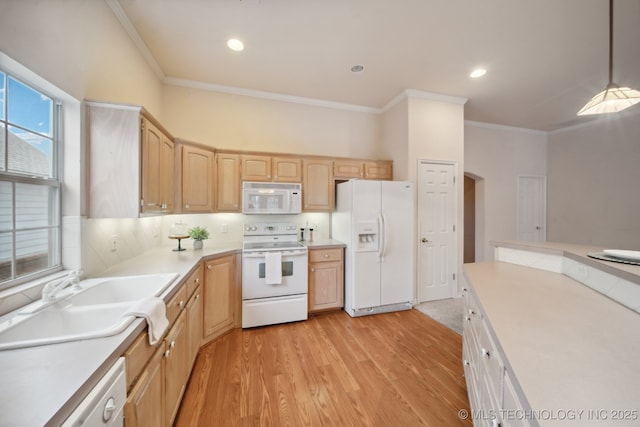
220,295
326,279
145,401
194,324
198,312
176,372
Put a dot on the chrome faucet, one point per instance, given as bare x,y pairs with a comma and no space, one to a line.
52,288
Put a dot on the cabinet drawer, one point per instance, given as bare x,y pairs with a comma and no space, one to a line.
176,304
194,281
492,364
320,255
137,356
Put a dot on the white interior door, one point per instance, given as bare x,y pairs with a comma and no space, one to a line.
436,231
532,208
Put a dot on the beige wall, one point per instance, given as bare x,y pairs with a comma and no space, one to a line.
247,123
498,155
436,132
594,171
394,144
80,47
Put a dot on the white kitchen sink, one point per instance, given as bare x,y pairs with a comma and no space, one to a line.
55,325
119,289
96,310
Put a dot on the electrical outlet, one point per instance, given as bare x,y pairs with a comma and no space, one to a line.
224,228
114,243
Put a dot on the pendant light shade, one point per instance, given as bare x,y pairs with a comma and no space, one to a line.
613,98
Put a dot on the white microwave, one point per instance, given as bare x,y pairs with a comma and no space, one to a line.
271,198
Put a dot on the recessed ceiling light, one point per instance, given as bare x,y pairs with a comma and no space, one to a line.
235,44
357,68
478,72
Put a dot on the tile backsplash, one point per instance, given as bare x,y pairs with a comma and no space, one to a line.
89,242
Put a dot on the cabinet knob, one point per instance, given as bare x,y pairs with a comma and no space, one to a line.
485,353
181,304
186,206
466,362
197,280
209,267
326,255
167,353
471,312
197,296
313,270
173,344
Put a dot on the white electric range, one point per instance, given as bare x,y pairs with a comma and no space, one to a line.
274,275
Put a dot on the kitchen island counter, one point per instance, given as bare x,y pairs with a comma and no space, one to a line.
568,347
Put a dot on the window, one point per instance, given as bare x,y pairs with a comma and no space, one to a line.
30,241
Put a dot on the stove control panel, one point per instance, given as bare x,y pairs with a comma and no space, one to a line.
270,228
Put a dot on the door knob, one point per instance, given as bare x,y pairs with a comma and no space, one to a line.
424,240
538,227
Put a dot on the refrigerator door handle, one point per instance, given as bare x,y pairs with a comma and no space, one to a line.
381,237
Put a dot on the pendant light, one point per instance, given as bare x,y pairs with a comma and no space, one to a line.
613,98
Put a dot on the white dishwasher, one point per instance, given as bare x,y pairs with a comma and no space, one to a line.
104,405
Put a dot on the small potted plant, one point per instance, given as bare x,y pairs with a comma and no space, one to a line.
198,234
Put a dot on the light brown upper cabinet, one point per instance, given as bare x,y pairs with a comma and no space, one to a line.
228,192
287,169
197,178
268,168
317,185
130,162
256,168
379,169
347,169
366,169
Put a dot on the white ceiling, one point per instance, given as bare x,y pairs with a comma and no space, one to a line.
545,58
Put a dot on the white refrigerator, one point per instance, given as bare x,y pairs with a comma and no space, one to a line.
376,221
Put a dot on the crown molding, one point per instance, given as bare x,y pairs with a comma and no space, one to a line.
174,81
121,15
505,128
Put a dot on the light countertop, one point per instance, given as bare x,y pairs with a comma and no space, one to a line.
577,253
569,347
323,244
43,385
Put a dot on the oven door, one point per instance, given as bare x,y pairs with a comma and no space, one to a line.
294,275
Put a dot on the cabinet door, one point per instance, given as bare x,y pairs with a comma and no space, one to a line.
198,179
158,171
256,168
145,402
381,169
194,325
317,185
152,155
228,180
219,296
326,289
167,176
347,169
176,367
326,279
287,169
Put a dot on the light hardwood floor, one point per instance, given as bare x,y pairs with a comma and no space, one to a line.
394,369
